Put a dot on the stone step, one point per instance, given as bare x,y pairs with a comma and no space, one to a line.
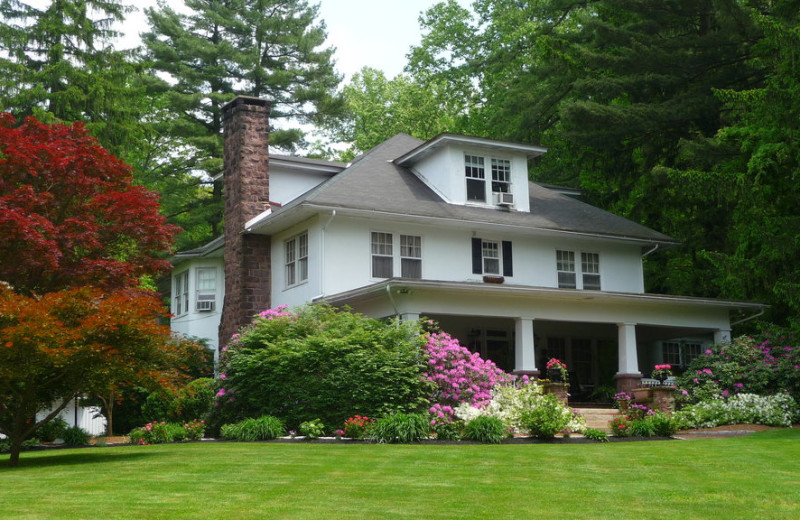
598,418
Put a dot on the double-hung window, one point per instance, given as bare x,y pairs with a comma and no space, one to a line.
410,256
492,257
181,295
206,288
501,176
566,268
383,248
382,256
296,259
476,178
565,265
590,267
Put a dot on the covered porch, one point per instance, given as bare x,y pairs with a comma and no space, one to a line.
609,341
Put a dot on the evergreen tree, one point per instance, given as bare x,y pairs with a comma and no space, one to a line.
223,48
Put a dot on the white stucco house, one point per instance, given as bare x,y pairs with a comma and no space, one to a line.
450,229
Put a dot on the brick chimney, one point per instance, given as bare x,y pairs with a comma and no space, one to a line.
246,195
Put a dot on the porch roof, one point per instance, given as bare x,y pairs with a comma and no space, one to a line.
740,310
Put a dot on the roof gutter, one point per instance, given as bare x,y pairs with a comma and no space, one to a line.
655,248
756,315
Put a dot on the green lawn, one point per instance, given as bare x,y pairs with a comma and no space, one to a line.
754,477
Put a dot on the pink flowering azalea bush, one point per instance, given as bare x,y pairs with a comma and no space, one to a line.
763,366
460,376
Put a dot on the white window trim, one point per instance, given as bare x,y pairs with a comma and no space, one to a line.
488,178
397,254
181,296
296,262
499,258
577,263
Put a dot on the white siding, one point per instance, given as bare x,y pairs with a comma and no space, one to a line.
203,324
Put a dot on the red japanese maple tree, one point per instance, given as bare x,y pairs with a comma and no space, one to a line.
69,213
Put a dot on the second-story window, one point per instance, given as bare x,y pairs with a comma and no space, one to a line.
476,178
565,265
568,271
501,176
296,258
491,257
382,255
410,256
590,267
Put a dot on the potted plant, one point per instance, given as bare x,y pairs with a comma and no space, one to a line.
622,400
557,371
661,373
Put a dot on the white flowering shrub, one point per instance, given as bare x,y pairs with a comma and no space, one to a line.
509,403
773,410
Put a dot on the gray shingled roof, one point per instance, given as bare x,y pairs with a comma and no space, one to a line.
374,183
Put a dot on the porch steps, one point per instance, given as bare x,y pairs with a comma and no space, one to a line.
598,418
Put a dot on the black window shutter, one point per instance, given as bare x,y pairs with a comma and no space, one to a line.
477,256
508,264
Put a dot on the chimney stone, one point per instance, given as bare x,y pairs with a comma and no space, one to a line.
247,261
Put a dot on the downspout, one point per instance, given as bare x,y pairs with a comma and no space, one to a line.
394,304
655,248
756,315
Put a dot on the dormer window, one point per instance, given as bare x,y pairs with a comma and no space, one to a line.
498,191
501,176
476,178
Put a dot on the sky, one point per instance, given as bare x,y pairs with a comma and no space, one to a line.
374,33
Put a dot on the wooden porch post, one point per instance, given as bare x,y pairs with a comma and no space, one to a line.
524,348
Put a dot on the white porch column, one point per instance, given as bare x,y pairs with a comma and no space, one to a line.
628,359
722,336
524,353
409,316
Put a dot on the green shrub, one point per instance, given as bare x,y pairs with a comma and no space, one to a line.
51,430
775,410
75,436
664,425
595,435
401,428
5,445
485,429
451,431
357,427
159,407
319,362
547,419
261,429
642,427
312,429
195,429
196,399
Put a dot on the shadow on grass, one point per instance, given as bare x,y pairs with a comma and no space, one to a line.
74,458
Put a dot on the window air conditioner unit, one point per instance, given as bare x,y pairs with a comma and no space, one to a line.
504,199
204,305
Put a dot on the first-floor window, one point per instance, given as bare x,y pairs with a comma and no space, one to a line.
672,353
382,256
181,293
680,353
296,258
565,265
410,256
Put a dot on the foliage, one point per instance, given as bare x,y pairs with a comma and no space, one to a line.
52,430
460,376
195,400
620,426
510,403
63,344
69,213
547,419
357,427
486,429
312,429
558,368
195,429
159,432
319,362
664,425
643,427
595,435
401,428
5,445
764,365
259,429
775,410
75,436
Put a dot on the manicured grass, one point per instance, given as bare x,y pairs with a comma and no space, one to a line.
745,477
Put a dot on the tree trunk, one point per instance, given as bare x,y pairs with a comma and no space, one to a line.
16,447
